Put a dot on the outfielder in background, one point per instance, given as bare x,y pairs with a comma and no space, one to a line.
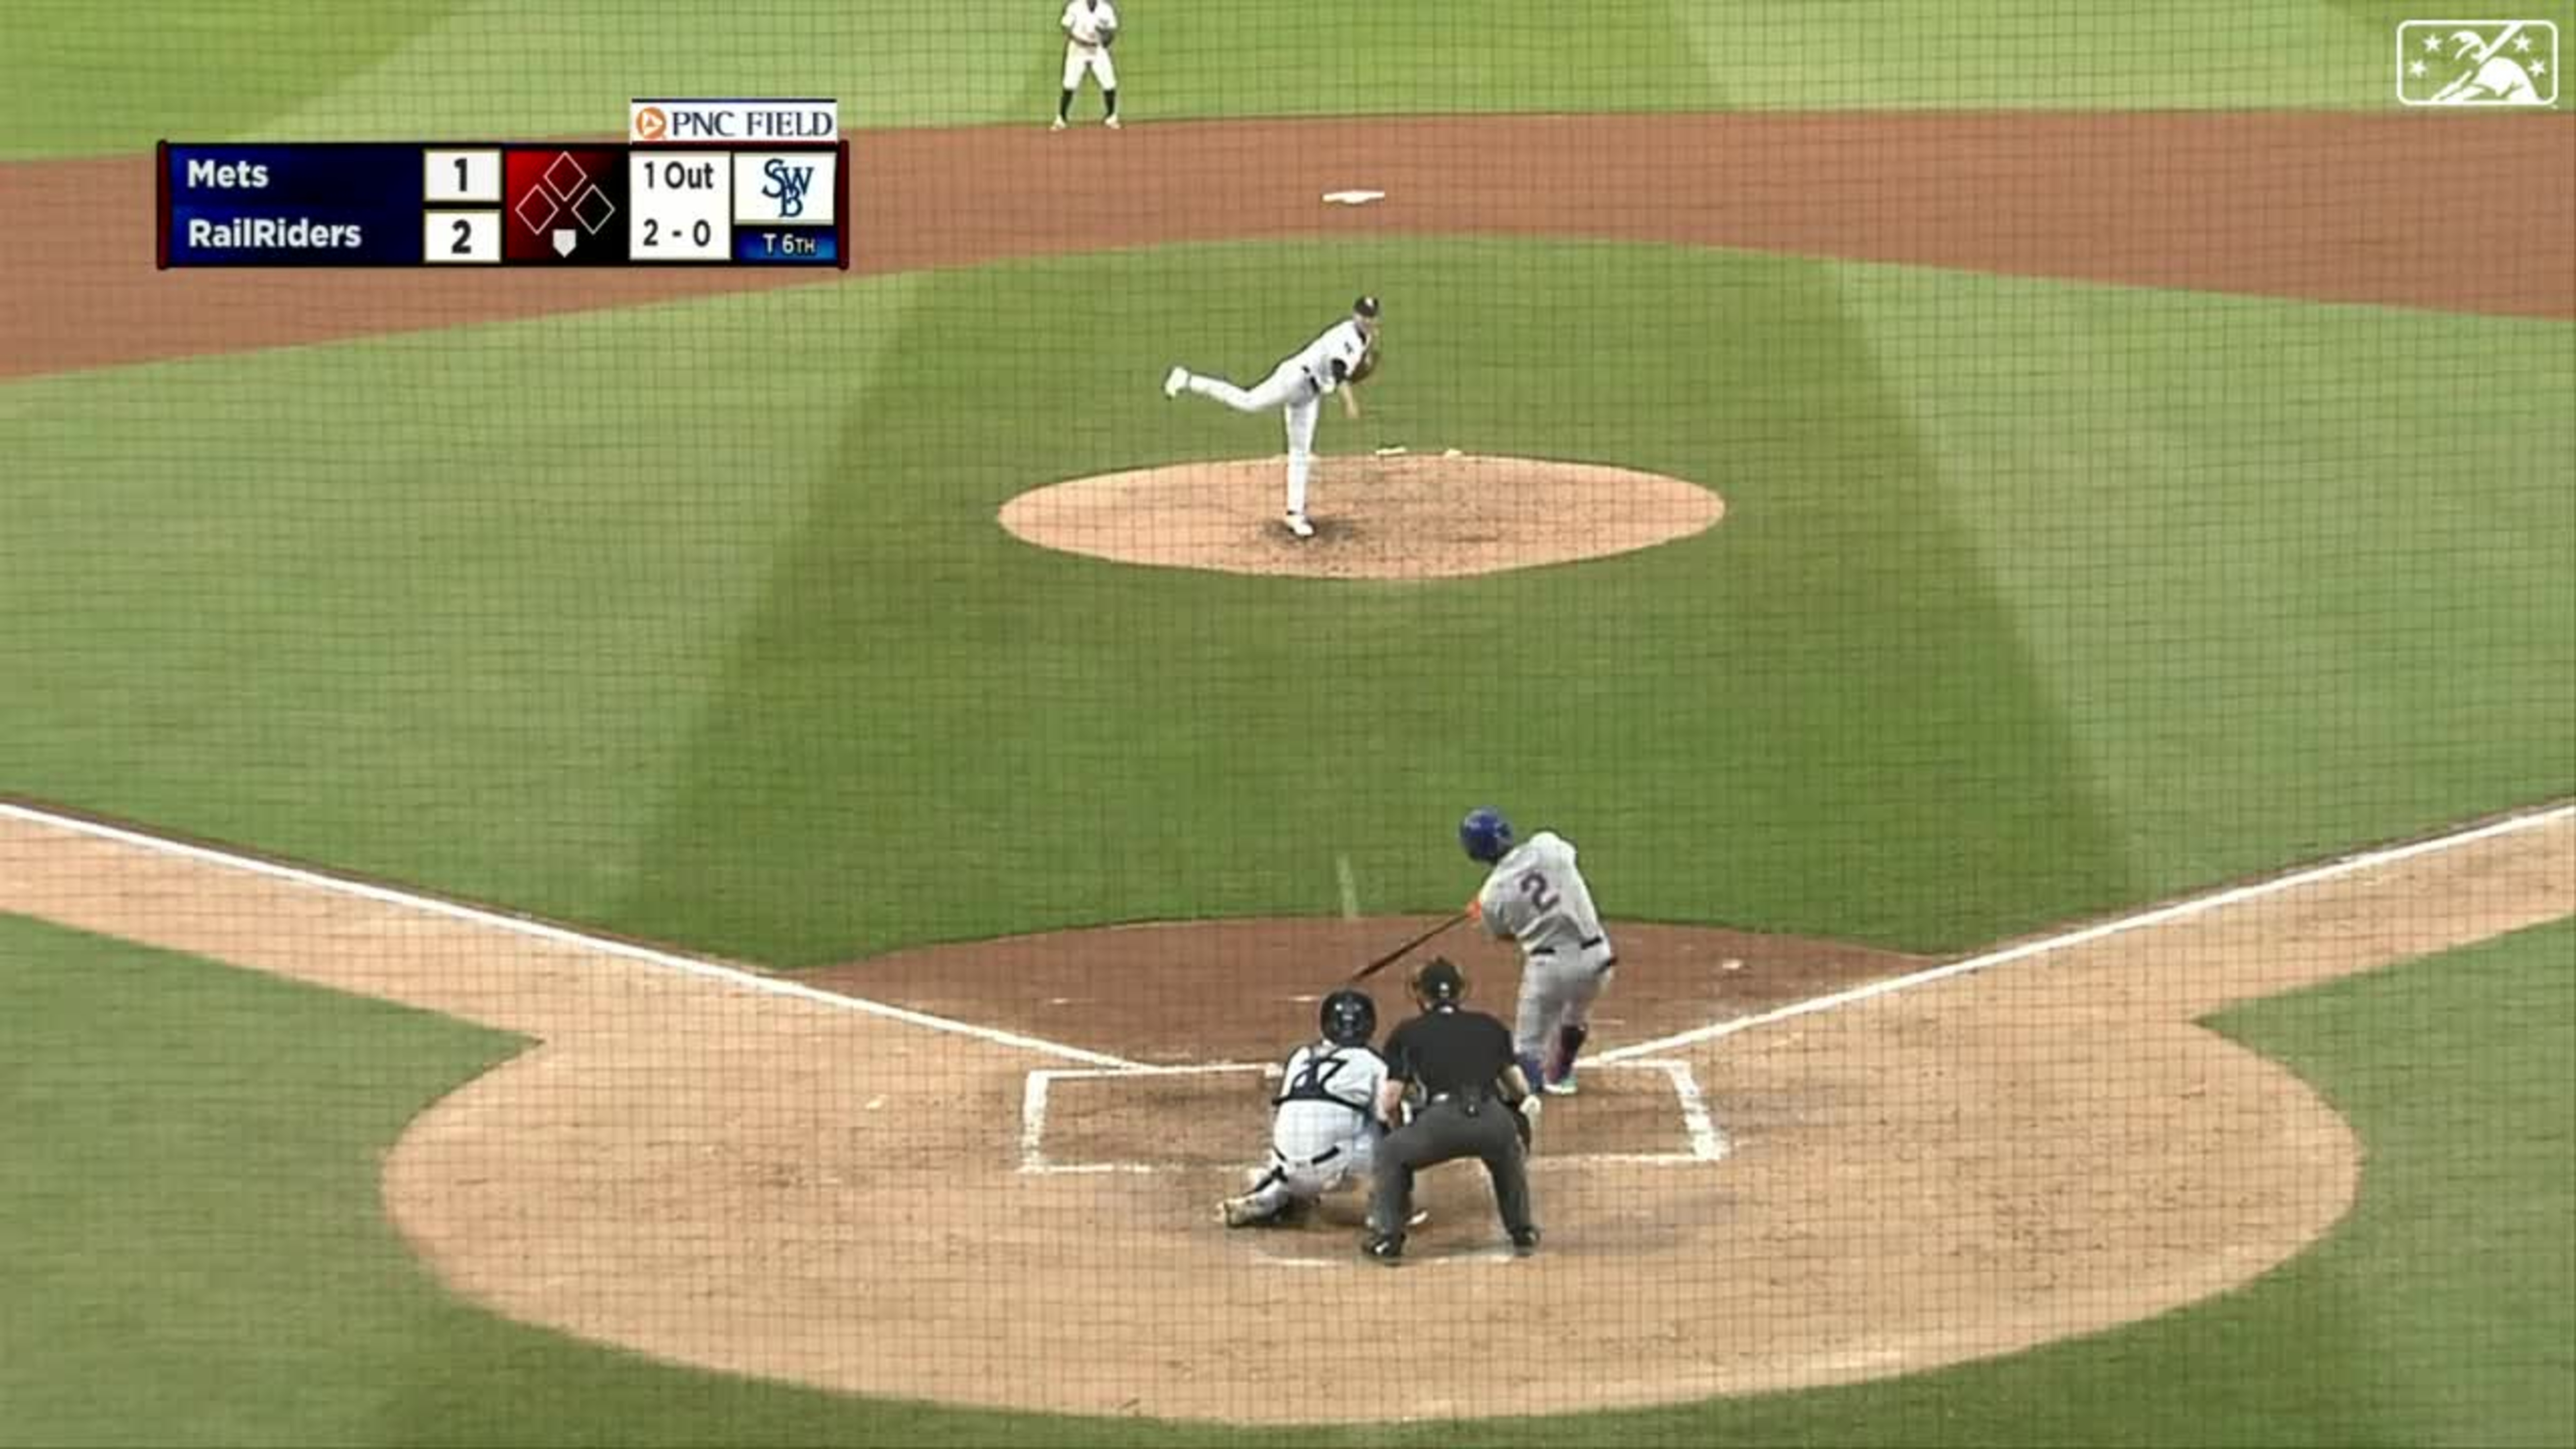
1325,1127
1534,895
1344,355
1089,28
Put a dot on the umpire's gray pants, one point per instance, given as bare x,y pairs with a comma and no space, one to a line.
1444,1131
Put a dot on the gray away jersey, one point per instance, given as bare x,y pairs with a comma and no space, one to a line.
1536,896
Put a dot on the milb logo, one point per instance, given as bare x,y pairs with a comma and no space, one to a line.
2477,63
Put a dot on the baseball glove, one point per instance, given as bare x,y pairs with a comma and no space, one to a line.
1367,367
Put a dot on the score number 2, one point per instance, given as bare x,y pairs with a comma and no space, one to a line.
699,235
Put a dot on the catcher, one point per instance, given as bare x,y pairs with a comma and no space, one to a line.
1090,28
1326,1127
1346,353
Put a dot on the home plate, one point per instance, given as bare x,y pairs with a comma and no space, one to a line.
1353,198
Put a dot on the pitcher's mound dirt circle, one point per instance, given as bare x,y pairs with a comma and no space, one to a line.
1412,516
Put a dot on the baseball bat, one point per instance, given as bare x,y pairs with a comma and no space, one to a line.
1391,957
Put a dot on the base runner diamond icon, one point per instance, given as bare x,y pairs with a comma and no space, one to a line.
2477,63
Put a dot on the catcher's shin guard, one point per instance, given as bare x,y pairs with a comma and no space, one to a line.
1569,1043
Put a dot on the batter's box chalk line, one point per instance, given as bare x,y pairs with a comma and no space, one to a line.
1703,1141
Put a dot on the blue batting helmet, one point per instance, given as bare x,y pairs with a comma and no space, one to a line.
1485,835
1348,1018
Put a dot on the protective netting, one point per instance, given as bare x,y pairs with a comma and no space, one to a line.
724,856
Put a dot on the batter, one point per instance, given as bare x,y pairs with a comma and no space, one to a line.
1535,896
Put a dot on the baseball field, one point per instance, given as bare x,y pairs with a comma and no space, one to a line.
674,856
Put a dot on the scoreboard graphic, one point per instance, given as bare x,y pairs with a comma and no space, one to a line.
755,183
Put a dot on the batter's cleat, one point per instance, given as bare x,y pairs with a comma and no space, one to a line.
1111,122
1056,125
1562,1087
1384,1249
1241,1212
1176,381
1298,525
1524,1242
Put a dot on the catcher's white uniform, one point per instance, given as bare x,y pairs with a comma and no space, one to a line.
1088,27
1325,1130
1534,895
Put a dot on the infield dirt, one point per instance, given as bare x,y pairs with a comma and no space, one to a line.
701,1171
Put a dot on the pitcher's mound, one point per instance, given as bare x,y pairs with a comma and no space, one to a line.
1404,517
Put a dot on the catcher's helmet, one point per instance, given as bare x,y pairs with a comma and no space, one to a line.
1348,1018
1439,982
1485,834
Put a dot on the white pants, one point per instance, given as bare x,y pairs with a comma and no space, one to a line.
1095,59
1298,396
1300,1179
1557,991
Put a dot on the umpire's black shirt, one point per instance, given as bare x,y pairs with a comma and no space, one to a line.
1450,1050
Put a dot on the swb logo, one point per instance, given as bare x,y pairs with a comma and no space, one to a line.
787,186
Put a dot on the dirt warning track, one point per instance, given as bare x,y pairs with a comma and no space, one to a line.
2460,213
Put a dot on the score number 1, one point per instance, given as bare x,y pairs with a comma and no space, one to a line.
683,208
460,222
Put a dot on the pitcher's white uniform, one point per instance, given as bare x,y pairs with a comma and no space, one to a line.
1083,23
1298,386
1535,896
1325,1130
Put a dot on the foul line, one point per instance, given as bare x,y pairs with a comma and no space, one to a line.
2162,915
558,935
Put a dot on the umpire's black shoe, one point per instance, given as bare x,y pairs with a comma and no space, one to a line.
1524,1242
1384,1248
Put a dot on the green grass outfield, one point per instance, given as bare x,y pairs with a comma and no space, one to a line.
271,1303
756,672
2034,599
85,79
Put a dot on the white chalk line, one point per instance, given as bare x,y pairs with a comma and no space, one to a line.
557,935
2066,941
797,990
1706,1143
1411,1260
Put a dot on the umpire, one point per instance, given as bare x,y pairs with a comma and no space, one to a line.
1474,1102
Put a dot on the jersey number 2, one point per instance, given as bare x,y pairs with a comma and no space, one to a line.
1534,885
